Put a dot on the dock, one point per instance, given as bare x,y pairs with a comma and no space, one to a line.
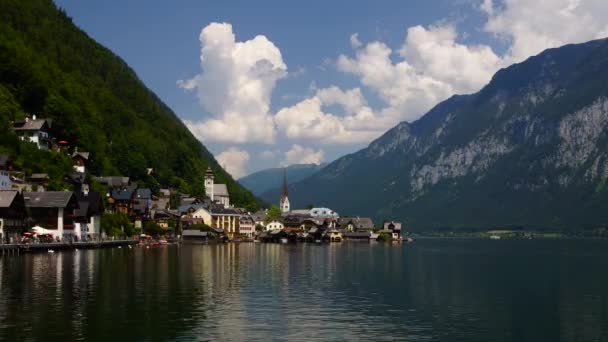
19,248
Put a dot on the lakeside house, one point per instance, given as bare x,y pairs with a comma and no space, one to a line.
246,226
34,130
13,215
393,228
274,225
88,215
53,210
121,200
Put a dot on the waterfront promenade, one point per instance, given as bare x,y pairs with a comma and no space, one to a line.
18,248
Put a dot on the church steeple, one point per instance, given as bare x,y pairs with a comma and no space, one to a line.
284,202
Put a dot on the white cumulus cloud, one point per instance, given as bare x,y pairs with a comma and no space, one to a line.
532,26
302,155
234,161
235,86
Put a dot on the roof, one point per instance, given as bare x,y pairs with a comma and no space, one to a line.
246,219
220,190
397,225
30,125
39,176
259,216
48,199
76,177
357,222
7,197
114,181
184,208
219,210
83,155
162,213
323,212
143,193
123,194
89,204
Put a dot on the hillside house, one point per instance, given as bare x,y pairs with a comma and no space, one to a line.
53,210
121,200
13,215
80,161
6,166
34,130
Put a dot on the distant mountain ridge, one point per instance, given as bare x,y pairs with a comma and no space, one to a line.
264,181
529,150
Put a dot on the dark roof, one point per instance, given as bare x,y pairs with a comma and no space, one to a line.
7,197
123,194
219,210
90,204
48,199
76,177
162,213
30,125
358,222
143,193
114,181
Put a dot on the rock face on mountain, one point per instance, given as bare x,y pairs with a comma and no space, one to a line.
528,150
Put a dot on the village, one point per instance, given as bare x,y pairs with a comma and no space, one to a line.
29,213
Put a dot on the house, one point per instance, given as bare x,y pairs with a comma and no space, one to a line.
6,166
259,217
246,226
165,218
216,192
88,215
142,203
394,228
38,181
356,224
13,215
34,130
80,161
121,200
274,225
53,210
226,219
114,182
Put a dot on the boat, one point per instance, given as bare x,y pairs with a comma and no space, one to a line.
284,240
495,237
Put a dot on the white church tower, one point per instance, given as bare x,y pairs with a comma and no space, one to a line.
284,202
209,183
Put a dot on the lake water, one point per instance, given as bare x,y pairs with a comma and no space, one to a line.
431,290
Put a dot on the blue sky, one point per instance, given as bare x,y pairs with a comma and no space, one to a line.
326,77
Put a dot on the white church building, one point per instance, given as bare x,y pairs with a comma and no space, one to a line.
216,192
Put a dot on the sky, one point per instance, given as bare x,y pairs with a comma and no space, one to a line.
271,83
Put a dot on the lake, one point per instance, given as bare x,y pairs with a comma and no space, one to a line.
431,290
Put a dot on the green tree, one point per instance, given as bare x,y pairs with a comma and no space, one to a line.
274,213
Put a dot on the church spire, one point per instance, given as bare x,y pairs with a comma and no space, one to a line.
284,191
284,202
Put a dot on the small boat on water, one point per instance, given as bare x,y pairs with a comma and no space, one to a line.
51,251
284,240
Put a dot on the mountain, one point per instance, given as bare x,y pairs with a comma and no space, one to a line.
529,150
51,68
263,181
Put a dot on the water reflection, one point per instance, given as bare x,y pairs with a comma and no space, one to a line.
440,290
